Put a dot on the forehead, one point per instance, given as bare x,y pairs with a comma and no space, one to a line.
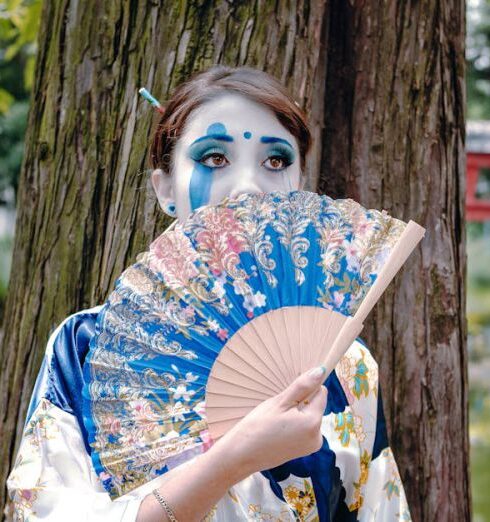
238,114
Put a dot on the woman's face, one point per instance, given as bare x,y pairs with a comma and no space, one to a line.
230,145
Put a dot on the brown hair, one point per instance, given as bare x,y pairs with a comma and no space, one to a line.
203,86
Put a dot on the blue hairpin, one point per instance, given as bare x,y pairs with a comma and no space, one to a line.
148,97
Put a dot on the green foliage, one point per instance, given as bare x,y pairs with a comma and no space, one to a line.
12,130
478,291
24,18
6,99
19,24
480,482
478,262
480,453
474,230
478,59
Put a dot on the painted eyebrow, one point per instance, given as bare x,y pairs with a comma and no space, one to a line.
220,137
273,139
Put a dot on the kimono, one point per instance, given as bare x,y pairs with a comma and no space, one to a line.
352,477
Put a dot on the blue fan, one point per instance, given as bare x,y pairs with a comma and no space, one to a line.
224,311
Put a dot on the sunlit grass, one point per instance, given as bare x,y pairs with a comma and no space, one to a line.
480,459
480,482
478,313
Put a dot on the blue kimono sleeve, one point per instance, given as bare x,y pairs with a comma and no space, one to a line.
53,478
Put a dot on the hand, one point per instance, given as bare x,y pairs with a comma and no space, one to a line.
279,429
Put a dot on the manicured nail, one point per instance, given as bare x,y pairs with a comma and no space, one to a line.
317,372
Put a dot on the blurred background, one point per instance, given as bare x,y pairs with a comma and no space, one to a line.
19,21
478,247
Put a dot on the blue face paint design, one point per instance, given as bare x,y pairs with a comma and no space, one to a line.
215,136
202,175
200,185
247,135
273,139
280,148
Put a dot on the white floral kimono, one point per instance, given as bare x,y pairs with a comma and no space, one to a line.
352,477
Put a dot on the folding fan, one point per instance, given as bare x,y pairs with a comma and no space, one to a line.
224,311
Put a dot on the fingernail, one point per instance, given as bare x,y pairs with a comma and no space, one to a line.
317,372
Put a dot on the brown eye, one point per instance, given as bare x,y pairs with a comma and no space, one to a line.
215,160
275,163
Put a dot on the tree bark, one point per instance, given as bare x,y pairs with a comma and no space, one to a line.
85,205
384,89
394,139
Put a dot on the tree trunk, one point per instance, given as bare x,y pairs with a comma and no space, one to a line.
86,206
384,90
394,139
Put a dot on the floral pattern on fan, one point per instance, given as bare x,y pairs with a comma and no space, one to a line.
172,312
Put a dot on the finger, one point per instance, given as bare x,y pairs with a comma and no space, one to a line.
314,393
317,402
303,386
307,400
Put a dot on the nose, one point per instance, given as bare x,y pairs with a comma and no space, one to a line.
249,190
245,182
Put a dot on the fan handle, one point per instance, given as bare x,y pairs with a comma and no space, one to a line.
346,336
406,243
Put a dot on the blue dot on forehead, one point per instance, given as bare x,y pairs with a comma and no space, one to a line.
216,128
247,135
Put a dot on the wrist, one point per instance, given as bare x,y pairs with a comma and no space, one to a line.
232,463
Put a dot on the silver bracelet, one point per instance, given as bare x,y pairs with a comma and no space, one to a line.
165,506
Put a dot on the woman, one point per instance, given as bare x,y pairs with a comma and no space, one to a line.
297,456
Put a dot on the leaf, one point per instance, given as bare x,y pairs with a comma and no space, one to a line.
25,19
6,100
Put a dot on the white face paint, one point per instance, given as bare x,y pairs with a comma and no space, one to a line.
230,145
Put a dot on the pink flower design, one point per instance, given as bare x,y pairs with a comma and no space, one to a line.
352,255
221,240
350,248
26,494
144,414
181,392
206,438
332,236
363,226
189,312
173,255
338,298
200,409
222,333
114,425
234,244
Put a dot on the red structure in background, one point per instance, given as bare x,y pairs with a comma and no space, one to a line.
478,171
477,209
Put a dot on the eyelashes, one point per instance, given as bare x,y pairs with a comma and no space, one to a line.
206,155
282,151
198,151
285,163
216,155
